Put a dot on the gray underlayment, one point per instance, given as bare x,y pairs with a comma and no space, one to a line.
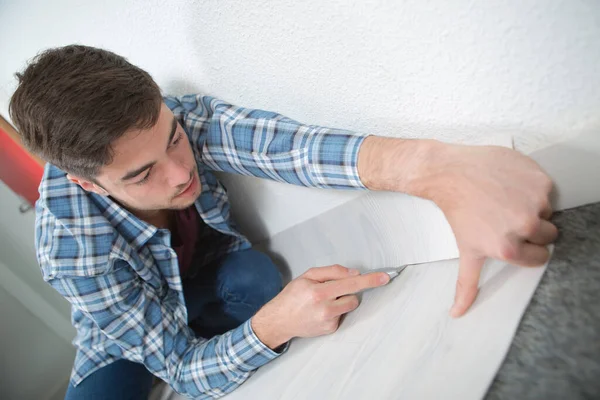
556,351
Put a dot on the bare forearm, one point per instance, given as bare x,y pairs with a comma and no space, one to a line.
400,165
268,330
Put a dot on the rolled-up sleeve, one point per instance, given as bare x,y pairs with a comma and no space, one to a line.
269,145
150,331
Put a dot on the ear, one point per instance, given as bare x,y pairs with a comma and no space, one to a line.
88,185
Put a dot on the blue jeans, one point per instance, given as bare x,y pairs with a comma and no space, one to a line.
220,298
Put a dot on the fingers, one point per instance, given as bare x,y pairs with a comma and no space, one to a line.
355,284
546,212
545,234
335,309
467,284
530,255
329,273
343,305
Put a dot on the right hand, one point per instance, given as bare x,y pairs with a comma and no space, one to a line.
312,304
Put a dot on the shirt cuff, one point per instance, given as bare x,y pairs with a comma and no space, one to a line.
333,159
248,352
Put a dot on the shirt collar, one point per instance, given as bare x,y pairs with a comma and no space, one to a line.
73,206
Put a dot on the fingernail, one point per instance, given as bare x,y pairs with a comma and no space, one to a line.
384,278
353,271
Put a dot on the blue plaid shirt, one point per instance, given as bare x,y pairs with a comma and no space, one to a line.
120,273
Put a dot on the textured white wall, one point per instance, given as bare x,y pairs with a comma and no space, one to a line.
35,362
35,328
19,270
447,69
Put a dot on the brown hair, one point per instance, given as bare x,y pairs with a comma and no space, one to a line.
72,102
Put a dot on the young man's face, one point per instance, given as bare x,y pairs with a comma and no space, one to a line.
152,169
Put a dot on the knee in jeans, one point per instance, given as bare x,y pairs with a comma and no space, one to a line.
258,278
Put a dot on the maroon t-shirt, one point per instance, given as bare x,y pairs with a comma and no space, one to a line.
184,237
196,244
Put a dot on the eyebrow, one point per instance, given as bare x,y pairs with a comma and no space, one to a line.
137,171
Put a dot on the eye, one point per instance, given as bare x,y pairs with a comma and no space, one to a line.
145,179
177,140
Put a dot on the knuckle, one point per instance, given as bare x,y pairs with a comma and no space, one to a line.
339,268
508,251
353,302
332,327
543,203
300,284
309,272
317,295
326,314
529,225
307,287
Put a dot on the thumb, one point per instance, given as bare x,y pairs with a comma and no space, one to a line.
467,284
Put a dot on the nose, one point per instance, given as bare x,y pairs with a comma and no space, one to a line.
178,175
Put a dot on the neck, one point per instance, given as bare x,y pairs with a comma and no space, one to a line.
161,219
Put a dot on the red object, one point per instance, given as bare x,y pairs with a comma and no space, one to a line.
18,169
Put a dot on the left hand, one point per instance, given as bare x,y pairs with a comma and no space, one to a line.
497,203
495,199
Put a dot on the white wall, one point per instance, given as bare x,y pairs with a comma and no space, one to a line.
35,362
35,329
446,69
19,271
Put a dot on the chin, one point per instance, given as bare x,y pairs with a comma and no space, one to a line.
187,199
183,203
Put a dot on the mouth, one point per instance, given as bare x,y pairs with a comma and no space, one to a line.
190,188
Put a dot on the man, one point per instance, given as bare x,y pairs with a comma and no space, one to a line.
134,230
